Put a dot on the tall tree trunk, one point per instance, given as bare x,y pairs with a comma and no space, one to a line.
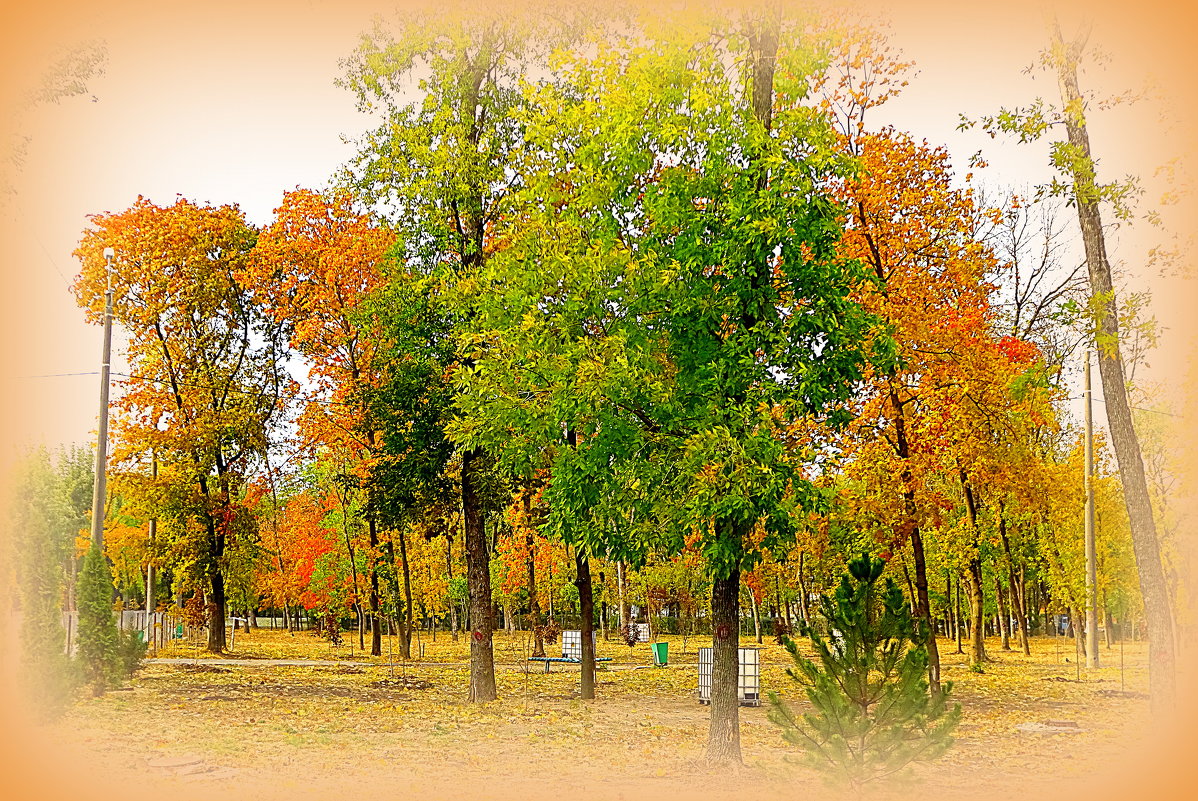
216,617
216,578
977,613
478,580
586,610
783,603
1153,588
923,609
1107,624
723,736
625,607
453,605
1077,626
804,612
959,628
949,619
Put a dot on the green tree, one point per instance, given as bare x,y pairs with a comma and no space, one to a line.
666,298
438,166
45,505
873,711
99,640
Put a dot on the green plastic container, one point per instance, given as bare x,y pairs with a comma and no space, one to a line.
661,653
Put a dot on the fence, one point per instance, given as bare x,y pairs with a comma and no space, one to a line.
157,628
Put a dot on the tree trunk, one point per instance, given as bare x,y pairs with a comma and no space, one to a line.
478,580
1107,623
586,609
977,630
949,619
1017,599
959,628
625,608
977,613
1153,589
924,607
1078,627
453,605
756,615
216,616
534,604
723,737
923,603
372,530
1004,618
804,612
405,629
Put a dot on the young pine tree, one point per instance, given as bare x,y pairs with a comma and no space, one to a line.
100,645
872,711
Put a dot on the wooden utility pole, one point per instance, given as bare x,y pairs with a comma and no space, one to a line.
1091,556
100,487
150,561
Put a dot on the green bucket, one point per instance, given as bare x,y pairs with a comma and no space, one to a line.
661,653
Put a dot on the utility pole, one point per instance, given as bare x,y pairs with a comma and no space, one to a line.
150,561
1091,556
99,489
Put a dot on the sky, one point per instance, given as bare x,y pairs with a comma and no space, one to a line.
224,103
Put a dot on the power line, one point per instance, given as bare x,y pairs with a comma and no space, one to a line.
55,375
1137,408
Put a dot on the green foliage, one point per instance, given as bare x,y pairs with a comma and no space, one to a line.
46,503
99,640
873,714
671,292
107,656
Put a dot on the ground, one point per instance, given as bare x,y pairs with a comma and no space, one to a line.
357,727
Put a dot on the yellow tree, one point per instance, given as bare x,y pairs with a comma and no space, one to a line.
208,381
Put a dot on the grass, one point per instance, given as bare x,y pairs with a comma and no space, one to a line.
369,724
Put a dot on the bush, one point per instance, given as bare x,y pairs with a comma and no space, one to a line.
873,714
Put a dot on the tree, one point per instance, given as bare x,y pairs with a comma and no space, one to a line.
439,165
312,270
107,656
1074,161
873,713
208,380
669,294
46,507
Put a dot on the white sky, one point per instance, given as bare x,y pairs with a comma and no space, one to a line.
232,104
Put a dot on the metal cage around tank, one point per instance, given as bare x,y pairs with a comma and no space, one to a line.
748,685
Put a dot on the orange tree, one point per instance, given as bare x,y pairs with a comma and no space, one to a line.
916,234
310,271
208,381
